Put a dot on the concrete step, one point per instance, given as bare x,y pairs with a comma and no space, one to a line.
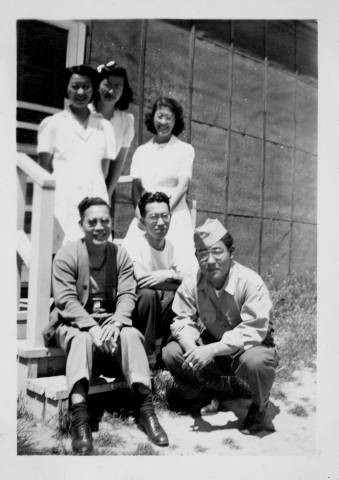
46,397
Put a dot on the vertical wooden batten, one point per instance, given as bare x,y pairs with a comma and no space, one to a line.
229,122
141,78
263,163
290,246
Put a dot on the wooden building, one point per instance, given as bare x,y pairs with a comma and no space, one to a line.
249,91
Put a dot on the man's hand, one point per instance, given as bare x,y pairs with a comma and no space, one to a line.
109,336
95,333
152,279
197,358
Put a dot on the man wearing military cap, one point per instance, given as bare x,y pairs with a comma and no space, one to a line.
222,328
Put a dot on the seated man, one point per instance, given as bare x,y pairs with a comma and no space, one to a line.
94,292
222,327
155,270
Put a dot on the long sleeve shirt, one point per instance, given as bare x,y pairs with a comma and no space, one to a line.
71,284
239,315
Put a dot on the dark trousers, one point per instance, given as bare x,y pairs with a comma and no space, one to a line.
256,366
152,316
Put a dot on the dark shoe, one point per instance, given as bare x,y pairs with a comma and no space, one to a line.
82,438
149,423
80,429
255,422
211,408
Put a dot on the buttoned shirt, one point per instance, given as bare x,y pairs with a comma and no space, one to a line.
239,315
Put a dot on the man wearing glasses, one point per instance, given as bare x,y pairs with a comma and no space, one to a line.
222,328
156,272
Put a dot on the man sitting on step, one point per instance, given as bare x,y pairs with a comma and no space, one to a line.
156,272
222,328
94,292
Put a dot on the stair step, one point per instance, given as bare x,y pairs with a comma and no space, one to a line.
55,388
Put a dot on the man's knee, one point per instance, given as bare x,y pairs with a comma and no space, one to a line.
130,334
82,340
258,359
172,354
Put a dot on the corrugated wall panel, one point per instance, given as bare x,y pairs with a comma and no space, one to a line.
247,96
166,70
210,101
209,170
280,122
304,247
275,247
245,232
278,181
305,192
306,112
245,175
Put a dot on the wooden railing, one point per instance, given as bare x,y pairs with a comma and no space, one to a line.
36,251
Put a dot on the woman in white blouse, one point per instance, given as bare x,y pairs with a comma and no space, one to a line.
112,100
164,164
73,145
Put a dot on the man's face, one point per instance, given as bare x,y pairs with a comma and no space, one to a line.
157,220
215,263
97,225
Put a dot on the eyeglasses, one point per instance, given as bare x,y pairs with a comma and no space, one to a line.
217,253
91,223
154,218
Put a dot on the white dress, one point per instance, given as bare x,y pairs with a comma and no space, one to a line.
77,165
123,126
159,166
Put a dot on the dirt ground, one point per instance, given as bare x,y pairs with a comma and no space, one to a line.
292,411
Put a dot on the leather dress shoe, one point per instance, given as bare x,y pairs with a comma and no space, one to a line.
149,423
211,408
82,438
255,422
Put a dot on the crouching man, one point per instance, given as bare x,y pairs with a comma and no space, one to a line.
222,327
94,292
156,271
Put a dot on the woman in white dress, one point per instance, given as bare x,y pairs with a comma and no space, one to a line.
73,145
112,100
164,164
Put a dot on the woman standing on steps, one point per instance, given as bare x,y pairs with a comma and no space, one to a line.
74,145
164,164
112,99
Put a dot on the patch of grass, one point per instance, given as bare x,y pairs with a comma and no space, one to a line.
294,316
200,449
144,449
21,409
229,442
25,443
107,439
298,411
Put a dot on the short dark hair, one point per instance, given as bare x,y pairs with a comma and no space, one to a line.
174,106
84,70
149,197
115,70
88,202
227,239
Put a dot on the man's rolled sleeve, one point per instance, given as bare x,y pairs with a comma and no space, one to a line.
255,315
65,293
125,300
184,306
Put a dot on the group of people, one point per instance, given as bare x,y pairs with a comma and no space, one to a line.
169,296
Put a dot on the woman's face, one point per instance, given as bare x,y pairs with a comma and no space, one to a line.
79,90
164,121
111,88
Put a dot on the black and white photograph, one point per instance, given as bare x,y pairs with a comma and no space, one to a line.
168,216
